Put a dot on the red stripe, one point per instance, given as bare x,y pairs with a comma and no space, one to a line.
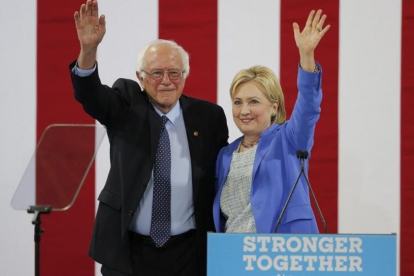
193,25
324,163
64,246
407,140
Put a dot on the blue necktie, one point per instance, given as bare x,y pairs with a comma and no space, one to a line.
161,202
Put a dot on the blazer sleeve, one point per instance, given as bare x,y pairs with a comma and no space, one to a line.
301,127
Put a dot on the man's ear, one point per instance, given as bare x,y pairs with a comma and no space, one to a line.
138,75
141,79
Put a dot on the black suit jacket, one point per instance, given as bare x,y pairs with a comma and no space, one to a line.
133,128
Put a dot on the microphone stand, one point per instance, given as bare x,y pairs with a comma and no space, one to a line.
302,156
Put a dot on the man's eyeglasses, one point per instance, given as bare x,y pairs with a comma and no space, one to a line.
172,74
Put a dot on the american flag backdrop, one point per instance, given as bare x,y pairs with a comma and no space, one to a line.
361,166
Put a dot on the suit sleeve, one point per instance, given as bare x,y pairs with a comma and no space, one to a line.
99,101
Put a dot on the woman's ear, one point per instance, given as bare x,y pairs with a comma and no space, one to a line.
275,106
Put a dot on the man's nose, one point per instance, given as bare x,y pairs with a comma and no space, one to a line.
165,78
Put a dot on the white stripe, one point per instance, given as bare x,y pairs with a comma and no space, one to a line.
129,26
369,116
18,129
248,35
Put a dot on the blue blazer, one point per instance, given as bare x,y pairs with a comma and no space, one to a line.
276,166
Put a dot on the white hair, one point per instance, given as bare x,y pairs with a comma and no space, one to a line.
184,55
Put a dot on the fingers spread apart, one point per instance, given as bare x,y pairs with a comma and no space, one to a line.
90,8
316,21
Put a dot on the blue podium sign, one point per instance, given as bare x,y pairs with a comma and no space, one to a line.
301,254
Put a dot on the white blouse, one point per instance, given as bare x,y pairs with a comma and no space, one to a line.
235,198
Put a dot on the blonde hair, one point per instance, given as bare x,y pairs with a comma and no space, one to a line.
268,84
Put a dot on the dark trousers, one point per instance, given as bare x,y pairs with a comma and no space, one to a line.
178,257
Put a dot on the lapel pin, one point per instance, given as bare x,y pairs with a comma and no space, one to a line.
195,133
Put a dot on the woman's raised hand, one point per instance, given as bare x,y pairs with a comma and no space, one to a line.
309,38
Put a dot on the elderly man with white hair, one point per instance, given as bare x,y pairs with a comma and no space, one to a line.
155,209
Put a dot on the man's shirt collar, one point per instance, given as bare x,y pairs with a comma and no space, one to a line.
173,115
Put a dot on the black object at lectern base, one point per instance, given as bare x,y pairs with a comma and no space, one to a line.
38,210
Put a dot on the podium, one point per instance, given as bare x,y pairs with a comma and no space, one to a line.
56,172
301,254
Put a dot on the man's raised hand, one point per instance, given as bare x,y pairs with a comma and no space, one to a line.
89,26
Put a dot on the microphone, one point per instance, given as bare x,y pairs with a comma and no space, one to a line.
302,155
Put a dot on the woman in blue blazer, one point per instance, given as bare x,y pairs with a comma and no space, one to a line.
256,172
